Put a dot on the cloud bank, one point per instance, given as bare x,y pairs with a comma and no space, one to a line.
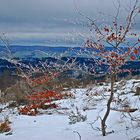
51,21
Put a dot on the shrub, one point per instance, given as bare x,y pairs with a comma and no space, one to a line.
5,126
42,100
137,91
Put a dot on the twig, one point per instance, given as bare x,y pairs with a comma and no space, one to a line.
80,138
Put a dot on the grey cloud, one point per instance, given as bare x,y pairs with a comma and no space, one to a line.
44,10
52,17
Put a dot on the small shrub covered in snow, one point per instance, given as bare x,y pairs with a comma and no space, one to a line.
75,117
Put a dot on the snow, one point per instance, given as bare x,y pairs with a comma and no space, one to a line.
90,102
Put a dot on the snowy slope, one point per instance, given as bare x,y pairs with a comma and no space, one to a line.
90,102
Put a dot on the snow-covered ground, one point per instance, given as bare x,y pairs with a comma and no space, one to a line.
89,103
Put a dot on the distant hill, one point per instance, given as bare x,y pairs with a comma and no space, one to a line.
47,51
34,54
40,51
5,65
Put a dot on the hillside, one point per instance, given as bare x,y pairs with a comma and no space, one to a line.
66,123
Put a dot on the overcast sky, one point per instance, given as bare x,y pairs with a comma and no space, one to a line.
52,21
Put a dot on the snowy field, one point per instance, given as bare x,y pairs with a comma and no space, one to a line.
79,118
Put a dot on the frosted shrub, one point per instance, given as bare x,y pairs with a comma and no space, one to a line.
75,117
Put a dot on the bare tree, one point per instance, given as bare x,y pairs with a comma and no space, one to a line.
114,36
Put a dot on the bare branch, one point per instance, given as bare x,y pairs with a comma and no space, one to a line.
80,138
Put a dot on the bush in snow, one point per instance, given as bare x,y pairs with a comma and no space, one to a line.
75,117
